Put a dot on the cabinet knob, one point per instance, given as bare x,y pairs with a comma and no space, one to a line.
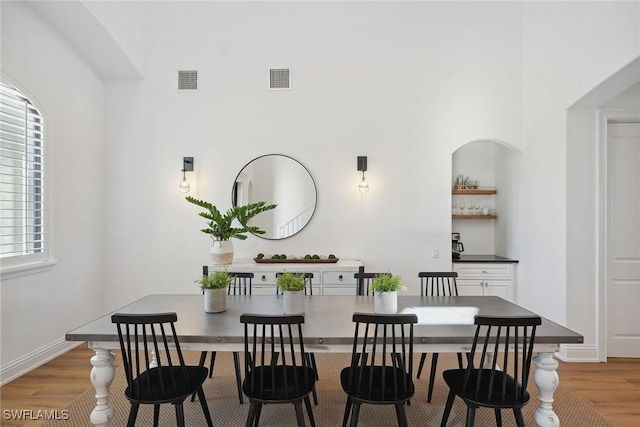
264,278
340,277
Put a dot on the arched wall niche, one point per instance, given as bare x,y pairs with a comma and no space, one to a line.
492,163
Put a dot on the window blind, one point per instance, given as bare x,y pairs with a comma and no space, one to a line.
22,199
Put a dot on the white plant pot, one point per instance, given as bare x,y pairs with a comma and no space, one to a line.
215,300
293,302
385,302
222,252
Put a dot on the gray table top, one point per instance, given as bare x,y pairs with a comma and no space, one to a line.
328,319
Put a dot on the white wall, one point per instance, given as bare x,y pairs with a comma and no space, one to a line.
38,309
404,84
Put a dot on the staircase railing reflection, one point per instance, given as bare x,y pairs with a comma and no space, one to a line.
295,224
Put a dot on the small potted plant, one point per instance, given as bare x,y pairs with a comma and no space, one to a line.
215,286
220,226
292,287
385,293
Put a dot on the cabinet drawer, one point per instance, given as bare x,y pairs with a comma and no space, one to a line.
484,270
264,278
339,290
338,278
263,289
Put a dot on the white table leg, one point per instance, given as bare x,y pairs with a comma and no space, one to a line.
546,378
102,374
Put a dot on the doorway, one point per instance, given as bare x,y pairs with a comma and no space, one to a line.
622,230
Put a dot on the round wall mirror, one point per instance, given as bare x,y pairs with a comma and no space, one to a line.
279,179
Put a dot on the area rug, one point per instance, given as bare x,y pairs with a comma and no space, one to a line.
222,398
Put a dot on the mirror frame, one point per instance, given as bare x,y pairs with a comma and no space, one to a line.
234,193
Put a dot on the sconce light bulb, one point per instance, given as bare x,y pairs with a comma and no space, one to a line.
364,185
184,185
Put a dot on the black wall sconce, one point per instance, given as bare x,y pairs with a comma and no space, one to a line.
187,166
363,187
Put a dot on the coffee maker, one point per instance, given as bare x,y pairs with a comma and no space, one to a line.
456,246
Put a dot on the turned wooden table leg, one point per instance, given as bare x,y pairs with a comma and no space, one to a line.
102,374
546,379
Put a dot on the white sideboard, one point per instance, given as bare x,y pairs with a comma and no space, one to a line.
328,278
494,279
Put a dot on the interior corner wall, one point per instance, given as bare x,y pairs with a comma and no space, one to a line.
582,223
38,309
568,49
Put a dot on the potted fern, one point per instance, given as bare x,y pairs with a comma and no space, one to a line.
215,287
385,293
292,287
220,227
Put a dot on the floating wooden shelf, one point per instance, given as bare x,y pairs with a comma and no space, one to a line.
474,216
481,191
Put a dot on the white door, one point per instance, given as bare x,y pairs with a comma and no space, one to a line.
623,240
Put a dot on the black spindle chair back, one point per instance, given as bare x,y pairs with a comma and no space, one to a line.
364,280
438,283
241,284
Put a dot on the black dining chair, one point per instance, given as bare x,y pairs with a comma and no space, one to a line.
436,284
241,285
163,379
274,370
381,370
308,290
503,347
364,281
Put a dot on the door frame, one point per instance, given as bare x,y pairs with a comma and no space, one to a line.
604,118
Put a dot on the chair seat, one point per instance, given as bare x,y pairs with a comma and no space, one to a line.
286,387
455,379
154,393
374,379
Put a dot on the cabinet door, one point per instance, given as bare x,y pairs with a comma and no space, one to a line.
483,270
470,288
498,288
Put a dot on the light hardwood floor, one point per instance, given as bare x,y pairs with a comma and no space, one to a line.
612,388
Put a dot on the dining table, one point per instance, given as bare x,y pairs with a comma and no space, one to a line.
445,325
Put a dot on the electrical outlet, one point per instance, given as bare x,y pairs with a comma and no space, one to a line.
435,253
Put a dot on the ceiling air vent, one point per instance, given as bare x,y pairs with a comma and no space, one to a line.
279,78
188,80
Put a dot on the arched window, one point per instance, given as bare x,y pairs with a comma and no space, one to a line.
22,176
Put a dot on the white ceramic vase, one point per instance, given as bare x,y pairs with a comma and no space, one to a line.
385,302
293,302
222,252
215,300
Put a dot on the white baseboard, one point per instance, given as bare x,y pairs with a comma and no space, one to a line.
577,353
29,362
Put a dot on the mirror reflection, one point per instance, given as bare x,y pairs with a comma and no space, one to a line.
279,179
